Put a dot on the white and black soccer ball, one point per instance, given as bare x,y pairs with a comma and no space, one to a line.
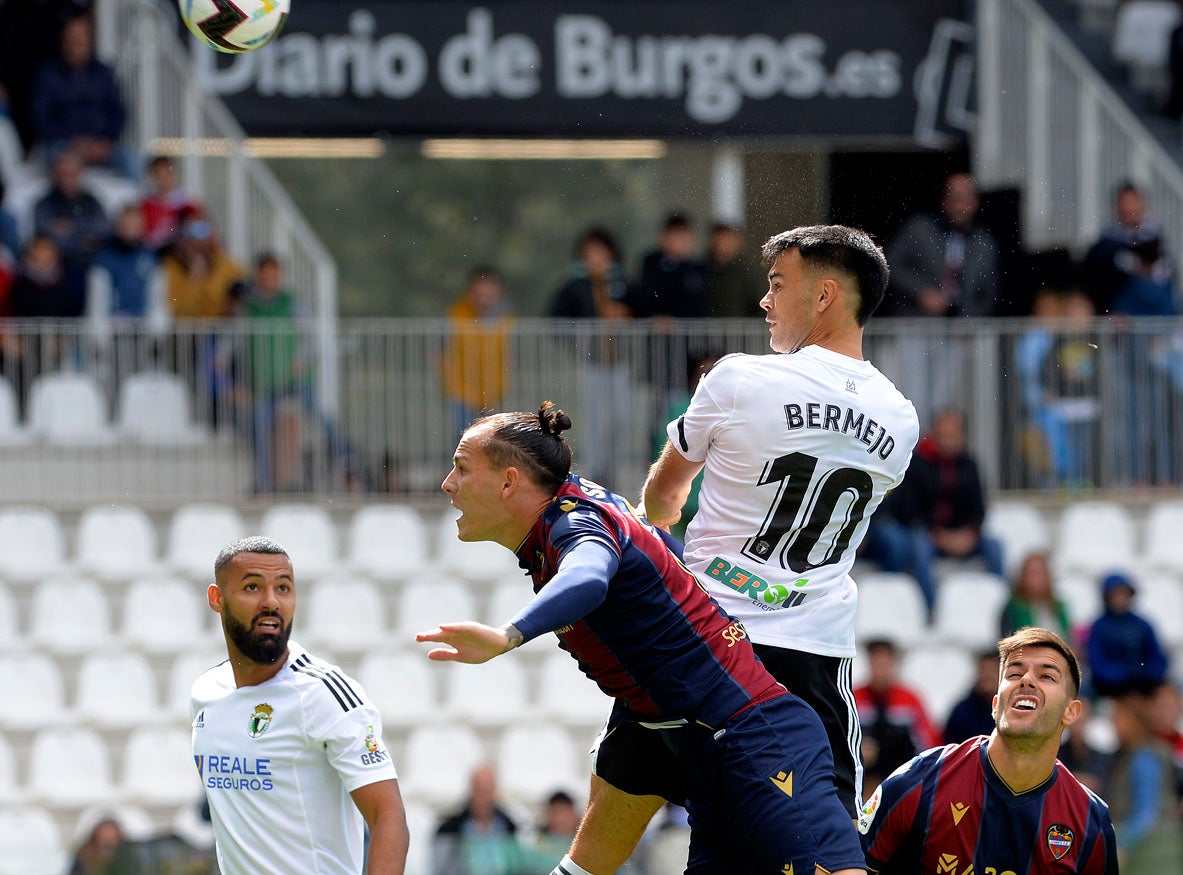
235,26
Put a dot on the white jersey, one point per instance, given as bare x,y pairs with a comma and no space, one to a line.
278,761
800,450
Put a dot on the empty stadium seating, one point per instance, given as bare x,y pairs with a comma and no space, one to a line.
197,534
307,533
1094,537
32,843
116,542
68,408
154,409
32,544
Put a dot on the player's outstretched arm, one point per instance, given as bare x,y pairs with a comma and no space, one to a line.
668,486
469,642
381,804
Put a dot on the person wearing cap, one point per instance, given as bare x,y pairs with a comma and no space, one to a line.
1124,654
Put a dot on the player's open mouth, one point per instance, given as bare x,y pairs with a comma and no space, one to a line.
270,625
1024,703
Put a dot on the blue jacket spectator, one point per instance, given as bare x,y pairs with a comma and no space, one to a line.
974,714
1114,258
1147,290
130,265
1124,654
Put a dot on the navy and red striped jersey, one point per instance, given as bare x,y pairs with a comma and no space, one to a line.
947,812
657,642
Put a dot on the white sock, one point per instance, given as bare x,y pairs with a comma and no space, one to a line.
567,866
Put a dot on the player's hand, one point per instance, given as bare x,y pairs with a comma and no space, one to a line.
468,642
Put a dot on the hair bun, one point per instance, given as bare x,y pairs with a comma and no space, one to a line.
553,420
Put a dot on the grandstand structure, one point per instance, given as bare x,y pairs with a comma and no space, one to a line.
120,485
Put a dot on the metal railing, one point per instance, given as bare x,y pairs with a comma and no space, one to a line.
170,112
1050,124
236,415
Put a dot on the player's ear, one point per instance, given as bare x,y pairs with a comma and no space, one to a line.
215,598
994,707
1071,713
828,294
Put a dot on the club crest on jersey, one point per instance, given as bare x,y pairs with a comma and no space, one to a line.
260,720
1059,840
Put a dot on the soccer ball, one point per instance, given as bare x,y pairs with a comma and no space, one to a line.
234,26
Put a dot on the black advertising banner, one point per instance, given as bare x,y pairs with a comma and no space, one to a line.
782,68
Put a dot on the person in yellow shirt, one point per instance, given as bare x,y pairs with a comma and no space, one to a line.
476,353
199,273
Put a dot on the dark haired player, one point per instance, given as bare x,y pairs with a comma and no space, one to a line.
999,803
756,760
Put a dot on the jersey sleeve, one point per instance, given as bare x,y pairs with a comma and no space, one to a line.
887,818
342,720
581,523
710,408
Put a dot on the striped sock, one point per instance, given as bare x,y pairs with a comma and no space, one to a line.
567,866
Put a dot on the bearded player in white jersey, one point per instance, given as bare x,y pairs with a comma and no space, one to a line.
799,450
289,748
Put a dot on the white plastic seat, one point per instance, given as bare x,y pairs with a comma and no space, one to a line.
11,432
33,696
9,621
1142,32
165,616
1164,537
423,606
890,606
307,533
1081,595
387,542
941,675
135,822
116,691
12,155
533,761
69,616
475,561
1021,529
345,614
70,768
438,762
31,843
1095,536
68,409
402,687
32,544
154,409
491,694
197,533
567,695
507,599
187,668
969,605
158,767
9,791
1160,601
116,543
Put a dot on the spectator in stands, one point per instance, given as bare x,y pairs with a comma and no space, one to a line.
1112,260
480,838
1070,383
555,833
130,268
939,508
77,223
974,714
77,105
1086,763
734,283
97,853
166,206
1042,440
1148,289
10,242
1141,793
894,722
40,290
597,289
1033,601
1123,651
672,283
199,273
476,354
1166,722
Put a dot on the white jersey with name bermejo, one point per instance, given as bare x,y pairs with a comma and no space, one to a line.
800,449
278,761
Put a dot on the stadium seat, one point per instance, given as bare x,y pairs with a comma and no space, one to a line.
506,600
154,409
1095,536
32,544
438,762
535,760
1164,543
166,616
33,693
12,156
116,691
477,561
194,829
940,674
9,786
158,767
1160,600
32,843
1021,529
492,694
116,543
70,615
11,432
136,823
70,768
9,621
346,614
187,668
969,605
69,409
425,605
421,823
890,606
1142,32
1081,595
402,686
197,533
388,542
307,533
567,695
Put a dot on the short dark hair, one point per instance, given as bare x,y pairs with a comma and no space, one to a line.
483,272
1125,187
265,258
251,544
677,222
530,441
840,248
598,235
873,644
1037,636
560,796
161,161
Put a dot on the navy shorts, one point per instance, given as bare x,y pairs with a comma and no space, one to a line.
762,796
